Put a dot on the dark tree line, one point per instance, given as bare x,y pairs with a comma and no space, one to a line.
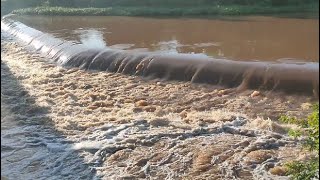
154,3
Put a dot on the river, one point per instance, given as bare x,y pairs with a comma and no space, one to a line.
254,38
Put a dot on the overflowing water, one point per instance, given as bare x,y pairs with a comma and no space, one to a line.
169,65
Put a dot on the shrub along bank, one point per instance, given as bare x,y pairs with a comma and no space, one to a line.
159,7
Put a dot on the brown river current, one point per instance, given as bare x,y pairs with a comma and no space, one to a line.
247,38
71,123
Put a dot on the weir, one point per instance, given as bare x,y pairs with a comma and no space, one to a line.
288,77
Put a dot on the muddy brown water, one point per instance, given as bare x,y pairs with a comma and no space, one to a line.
254,38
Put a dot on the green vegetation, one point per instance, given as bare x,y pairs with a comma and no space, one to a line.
303,171
156,3
160,7
146,11
306,170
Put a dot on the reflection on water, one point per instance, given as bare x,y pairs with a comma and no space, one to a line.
168,46
91,37
245,38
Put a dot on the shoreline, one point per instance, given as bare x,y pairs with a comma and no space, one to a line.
310,11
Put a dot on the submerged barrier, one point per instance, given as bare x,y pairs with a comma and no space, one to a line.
296,78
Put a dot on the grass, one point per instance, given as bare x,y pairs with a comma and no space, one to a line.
303,170
310,169
167,11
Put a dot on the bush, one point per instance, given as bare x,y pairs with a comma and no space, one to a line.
305,170
162,11
157,3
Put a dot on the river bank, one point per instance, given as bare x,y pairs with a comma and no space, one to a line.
311,11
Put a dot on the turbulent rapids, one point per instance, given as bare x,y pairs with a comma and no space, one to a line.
184,67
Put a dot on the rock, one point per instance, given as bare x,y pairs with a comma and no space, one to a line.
60,93
92,107
137,109
215,91
121,164
104,110
111,94
141,175
149,108
50,89
258,156
279,171
187,120
221,92
159,112
103,104
141,103
128,177
255,93
183,114
70,86
160,84
141,162
128,101
153,87
93,97
224,92
87,86
69,71
159,122
61,70
57,75
130,86
305,106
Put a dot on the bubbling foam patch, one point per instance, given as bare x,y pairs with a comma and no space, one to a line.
292,78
